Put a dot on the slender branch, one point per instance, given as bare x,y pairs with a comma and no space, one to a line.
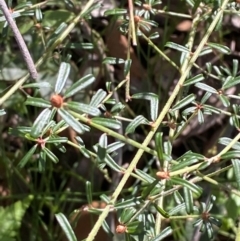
160,52
113,133
180,15
159,120
132,31
20,41
65,33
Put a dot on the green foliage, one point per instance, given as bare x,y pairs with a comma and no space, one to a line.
140,107
11,218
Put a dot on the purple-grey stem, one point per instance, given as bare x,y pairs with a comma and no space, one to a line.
21,44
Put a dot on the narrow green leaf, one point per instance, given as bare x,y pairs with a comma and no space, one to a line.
89,192
209,67
103,141
187,162
164,233
154,35
145,176
48,127
189,110
71,121
225,141
221,48
38,14
206,88
178,198
131,202
63,74
110,123
236,169
194,80
217,70
85,152
117,108
204,165
115,11
159,147
57,139
200,117
231,83
66,227
212,109
193,187
40,123
37,85
79,46
38,102
27,157
205,51
154,102
115,146
235,67
177,47
209,230
79,85
127,214
180,208
205,97
185,101
23,5
188,198
113,60
161,211
147,190
98,97
83,108
112,164
215,221
135,123
135,227
224,99
105,198
107,229
127,66
50,155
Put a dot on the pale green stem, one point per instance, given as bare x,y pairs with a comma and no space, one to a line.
105,172
140,211
132,30
128,77
195,180
159,217
230,145
159,120
205,72
184,125
113,133
180,15
183,68
160,52
31,7
184,217
115,89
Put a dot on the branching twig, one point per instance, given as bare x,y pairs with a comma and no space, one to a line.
20,41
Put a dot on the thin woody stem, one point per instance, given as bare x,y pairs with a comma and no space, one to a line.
20,41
